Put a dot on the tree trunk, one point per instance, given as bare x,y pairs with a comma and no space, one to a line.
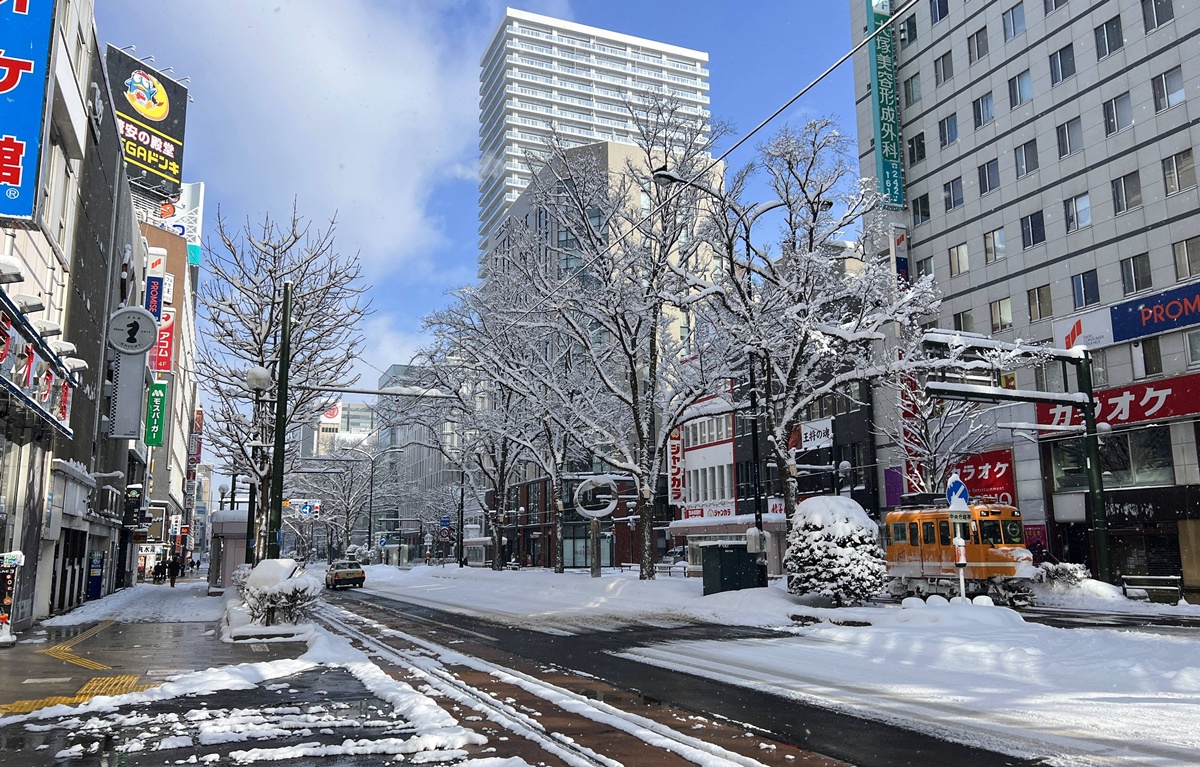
645,513
556,500
498,539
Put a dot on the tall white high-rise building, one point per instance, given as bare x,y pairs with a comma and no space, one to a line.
540,73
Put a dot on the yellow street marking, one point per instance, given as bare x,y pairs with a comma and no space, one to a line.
62,651
101,685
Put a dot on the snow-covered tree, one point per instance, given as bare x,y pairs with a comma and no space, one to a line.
833,551
242,310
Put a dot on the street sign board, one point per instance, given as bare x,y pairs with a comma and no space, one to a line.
957,516
156,413
383,541
132,330
444,521
444,533
956,491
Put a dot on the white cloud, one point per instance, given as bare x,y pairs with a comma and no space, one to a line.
386,345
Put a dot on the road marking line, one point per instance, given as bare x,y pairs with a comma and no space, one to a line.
48,680
62,651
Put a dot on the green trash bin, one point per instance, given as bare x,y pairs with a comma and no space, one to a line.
727,566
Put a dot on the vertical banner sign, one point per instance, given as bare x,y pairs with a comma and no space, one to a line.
25,28
676,494
885,105
156,271
150,111
156,413
164,348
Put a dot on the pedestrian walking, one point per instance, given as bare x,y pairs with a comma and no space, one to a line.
160,571
173,569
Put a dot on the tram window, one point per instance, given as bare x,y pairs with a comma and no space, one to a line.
944,532
989,531
975,532
929,535
898,530
1013,531
914,533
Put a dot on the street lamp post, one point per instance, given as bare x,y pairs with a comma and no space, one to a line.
275,520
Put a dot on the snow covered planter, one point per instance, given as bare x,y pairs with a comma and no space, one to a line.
280,591
833,551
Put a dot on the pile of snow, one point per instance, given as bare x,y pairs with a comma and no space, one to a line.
279,591
833,551
148,603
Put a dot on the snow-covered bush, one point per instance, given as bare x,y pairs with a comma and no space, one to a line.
833,551
239,576
1065,574
280,591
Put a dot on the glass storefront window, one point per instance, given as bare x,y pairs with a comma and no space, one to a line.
1135,458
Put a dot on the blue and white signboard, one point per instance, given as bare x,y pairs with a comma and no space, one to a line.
956,491
444,522
25,29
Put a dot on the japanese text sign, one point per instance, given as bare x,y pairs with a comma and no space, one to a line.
989,474
675,471
885,106
1137,403
156,413
164,348
25,29
150,111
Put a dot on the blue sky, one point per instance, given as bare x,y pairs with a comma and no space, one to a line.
370,110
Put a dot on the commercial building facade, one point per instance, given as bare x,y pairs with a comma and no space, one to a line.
1049,187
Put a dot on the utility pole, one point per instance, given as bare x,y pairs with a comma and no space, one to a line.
275,520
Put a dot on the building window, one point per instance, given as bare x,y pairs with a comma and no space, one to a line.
916,148
1033,230
1139,457
952,193
943,68
1149,355
938,9
912,90
1070,137
1078,211
963,322
908,31
1187,258
1156,13
1135,273
1193,349
1168,89
1027,158
989,176
1109,37
1118,114
977,46
1053,5
1086,288
1050,377
925,267
993,245
983,109
948,130
1020,90
1127,193
920,209
1179,172
958,260
1014,22
1040,307
1001,315
1062,64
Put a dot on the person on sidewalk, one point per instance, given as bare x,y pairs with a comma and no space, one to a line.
160,571
173,569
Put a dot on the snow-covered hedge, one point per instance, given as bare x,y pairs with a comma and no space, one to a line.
280,591
1066,574
833,551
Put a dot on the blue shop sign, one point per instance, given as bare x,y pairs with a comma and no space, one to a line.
1151,315
25,34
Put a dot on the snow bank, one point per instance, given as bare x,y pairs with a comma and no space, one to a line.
837,514
147,603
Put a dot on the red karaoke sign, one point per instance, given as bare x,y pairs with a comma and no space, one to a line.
1137,403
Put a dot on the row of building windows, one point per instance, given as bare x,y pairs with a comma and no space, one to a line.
713,483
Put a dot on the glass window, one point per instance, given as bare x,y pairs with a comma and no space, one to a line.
920,209
948,130
1051,6
1135,273
916,149
914,533
1187,258
1027,158
1109,37
925,267
983,110
1118,114
1127,192
1050,377
989,531
1168,89
1193,348
943,68
1062,64
1179,172
1151,357
993,245
928,532
989,176
1033,230
1099,367
1001,314
963,322
1070,137
899,532
1020,90
1014,22
944,532
938,9
958,260
1156,13
1086,288
977,46
912,90
908,31
1040,306
1014,531
1078,211
952,193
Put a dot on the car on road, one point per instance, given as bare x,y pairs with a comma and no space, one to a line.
344,572
675,554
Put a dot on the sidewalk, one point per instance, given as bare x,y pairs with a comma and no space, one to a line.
128,641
